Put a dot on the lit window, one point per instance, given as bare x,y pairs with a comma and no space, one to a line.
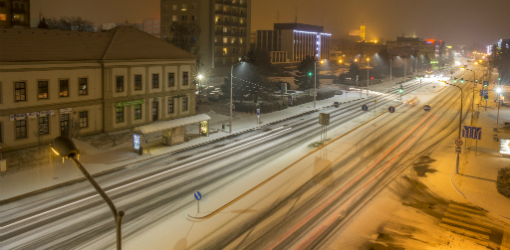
184,7
174,7
64,88
174,18
3,17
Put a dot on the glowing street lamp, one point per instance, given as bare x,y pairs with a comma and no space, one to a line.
64,147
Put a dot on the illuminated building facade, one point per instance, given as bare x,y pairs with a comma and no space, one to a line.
293,42
224,30
15,13
362,33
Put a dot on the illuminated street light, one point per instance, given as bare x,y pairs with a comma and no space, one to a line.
200,77
355,59
499,90
65,147
340,61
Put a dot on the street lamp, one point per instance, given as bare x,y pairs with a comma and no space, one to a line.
368,75
231,83
315,81
473,102
199,77
460,123
64,146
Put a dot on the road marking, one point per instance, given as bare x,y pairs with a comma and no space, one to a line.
465,219
481,229
465,232
312,236
467,209
480,217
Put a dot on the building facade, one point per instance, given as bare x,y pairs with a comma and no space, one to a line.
89,83
225,30
293,42
152,26
14,13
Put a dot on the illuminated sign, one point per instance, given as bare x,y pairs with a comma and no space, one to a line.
504,148
431,41
136,142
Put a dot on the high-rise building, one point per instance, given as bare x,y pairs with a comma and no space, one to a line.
224,30
293,42
362,32
15,13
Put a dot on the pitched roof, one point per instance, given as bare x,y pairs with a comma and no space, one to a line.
120,43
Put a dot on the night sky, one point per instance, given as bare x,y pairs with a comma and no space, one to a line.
458,22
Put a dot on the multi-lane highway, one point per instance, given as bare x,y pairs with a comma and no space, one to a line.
298,208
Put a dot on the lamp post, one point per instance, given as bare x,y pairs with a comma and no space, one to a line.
460,123
368,76
315,81
391,68
231,83
64,146
199,77
498,91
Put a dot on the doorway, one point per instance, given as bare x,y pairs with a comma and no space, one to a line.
155,111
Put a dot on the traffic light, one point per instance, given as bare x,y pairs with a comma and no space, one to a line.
455,80
462,80
400,90
486,97
310,74
485,84
476,80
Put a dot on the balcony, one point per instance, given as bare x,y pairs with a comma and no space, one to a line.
218,12
227,12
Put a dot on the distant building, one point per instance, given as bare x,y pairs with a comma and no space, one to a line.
362,32
433,48
293,42
225,31
504,43
489,49
152,26
109,26
14,13
89,82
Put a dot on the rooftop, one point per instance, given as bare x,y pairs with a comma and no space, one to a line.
298,26
120,43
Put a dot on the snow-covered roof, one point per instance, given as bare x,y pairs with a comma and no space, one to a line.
164,125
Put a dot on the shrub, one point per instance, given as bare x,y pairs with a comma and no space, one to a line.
503,182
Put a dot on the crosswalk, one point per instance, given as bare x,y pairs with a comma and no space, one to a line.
473,224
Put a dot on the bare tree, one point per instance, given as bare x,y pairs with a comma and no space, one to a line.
70,23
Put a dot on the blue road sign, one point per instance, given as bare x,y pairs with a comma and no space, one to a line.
336,104
258,111
364,107
426,108
198,195
472,132
484,92
391,109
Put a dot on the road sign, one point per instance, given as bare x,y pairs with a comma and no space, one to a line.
458,150
426,107
198,195
324,119
391,109
364,107
484,92
472,132
485,82
336,104
258,111
458,142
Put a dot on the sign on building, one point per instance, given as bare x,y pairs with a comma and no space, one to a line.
472,132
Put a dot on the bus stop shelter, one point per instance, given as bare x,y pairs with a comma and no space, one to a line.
173,131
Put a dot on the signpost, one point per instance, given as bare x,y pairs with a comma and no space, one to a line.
258,117
426,108
324,122
375,107
336,104
458,142
472,133
483,92
364,107
391,109
198,197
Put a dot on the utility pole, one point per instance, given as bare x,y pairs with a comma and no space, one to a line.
391,68
368,75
